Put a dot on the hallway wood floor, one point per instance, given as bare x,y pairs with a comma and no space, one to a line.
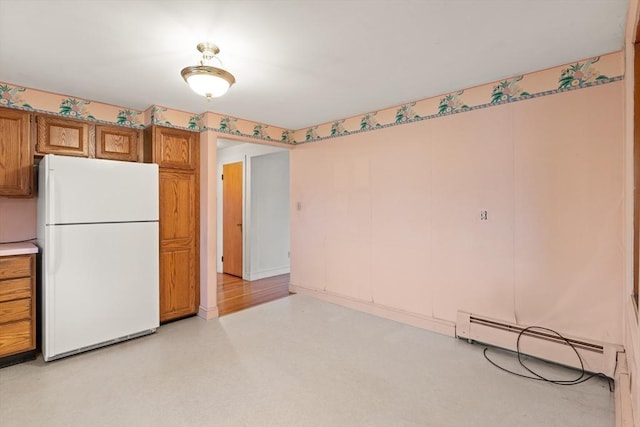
235,294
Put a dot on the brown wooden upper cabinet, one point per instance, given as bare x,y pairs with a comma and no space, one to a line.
172,148
16,163
62,136
116,143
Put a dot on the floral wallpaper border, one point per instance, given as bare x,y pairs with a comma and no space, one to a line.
26,99
21,98
311,134
579,75
209,121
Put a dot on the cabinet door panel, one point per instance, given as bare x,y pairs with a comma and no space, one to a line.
15,153
177,283
62,136
116,143
176,148
177,207
179,293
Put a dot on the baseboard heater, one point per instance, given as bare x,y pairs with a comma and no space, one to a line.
598,357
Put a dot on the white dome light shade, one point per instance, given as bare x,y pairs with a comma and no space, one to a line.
204,79
208,81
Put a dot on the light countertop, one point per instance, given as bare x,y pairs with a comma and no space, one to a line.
8,249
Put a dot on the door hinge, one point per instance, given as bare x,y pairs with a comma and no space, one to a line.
222,177
222,258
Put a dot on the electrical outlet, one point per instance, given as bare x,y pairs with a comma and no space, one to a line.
483,215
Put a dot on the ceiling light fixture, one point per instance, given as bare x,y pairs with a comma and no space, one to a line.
205,79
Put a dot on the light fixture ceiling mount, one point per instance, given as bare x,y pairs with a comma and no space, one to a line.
205,79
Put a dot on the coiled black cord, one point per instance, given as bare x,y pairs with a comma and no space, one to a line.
536,376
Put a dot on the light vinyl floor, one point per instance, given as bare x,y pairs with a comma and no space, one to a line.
296,361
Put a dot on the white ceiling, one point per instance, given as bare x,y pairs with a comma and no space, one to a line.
297,63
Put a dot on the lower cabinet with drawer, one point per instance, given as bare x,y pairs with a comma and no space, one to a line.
17,309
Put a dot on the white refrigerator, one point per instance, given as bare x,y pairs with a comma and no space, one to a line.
98,234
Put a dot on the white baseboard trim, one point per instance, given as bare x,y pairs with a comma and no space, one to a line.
440,326
208,313
627,384
622,393
267,273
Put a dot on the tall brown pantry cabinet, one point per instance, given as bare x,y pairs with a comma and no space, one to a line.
177,153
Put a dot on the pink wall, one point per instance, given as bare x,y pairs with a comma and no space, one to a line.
631,336
208,194
17,219
391,218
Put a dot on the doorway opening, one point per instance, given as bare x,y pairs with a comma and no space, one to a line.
232,207
252,224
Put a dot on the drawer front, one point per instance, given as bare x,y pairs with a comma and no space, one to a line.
15,289
16,337
15,266
12,311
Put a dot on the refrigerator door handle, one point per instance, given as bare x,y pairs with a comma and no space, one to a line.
51,207
49,253
49,293
51,195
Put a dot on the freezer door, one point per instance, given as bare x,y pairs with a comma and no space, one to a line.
80,190
100,283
